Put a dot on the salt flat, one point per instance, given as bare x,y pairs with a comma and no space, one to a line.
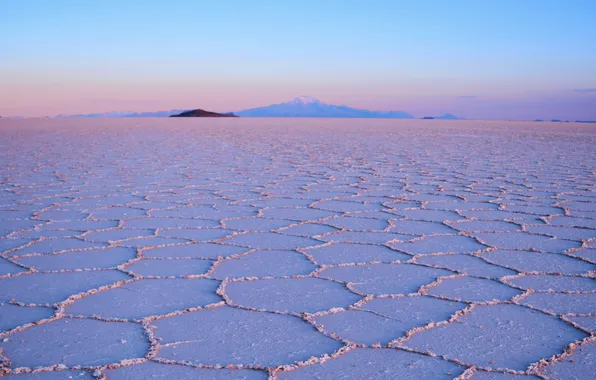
297,249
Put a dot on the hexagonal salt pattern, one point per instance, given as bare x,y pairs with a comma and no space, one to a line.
219,249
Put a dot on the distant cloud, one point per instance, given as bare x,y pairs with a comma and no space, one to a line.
585,90
467,96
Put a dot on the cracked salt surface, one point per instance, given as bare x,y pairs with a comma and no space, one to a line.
382,320
75,342
366,363
7,267
466,264
382,279
194,251
574,366
499,336
152,370
54,375
12,316
168,268
240,337
438,244
77,260
149,297
270,263
481,375
50,288
472,289
342,253
270,240
528,261
290,295
297,249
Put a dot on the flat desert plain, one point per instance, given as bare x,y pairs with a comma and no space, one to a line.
297,249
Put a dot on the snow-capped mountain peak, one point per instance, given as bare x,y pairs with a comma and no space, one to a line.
305,106
304,100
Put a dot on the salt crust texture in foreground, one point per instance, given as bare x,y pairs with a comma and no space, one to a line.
297,249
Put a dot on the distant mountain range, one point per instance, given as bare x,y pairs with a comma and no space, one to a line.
304,106
202,113
124,114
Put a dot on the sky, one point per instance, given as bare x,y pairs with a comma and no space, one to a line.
493,59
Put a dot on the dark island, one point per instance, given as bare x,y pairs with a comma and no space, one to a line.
202,113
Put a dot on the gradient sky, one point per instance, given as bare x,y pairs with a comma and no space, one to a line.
519,59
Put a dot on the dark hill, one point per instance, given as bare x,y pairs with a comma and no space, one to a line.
202,113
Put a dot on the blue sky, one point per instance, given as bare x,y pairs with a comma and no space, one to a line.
479,59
